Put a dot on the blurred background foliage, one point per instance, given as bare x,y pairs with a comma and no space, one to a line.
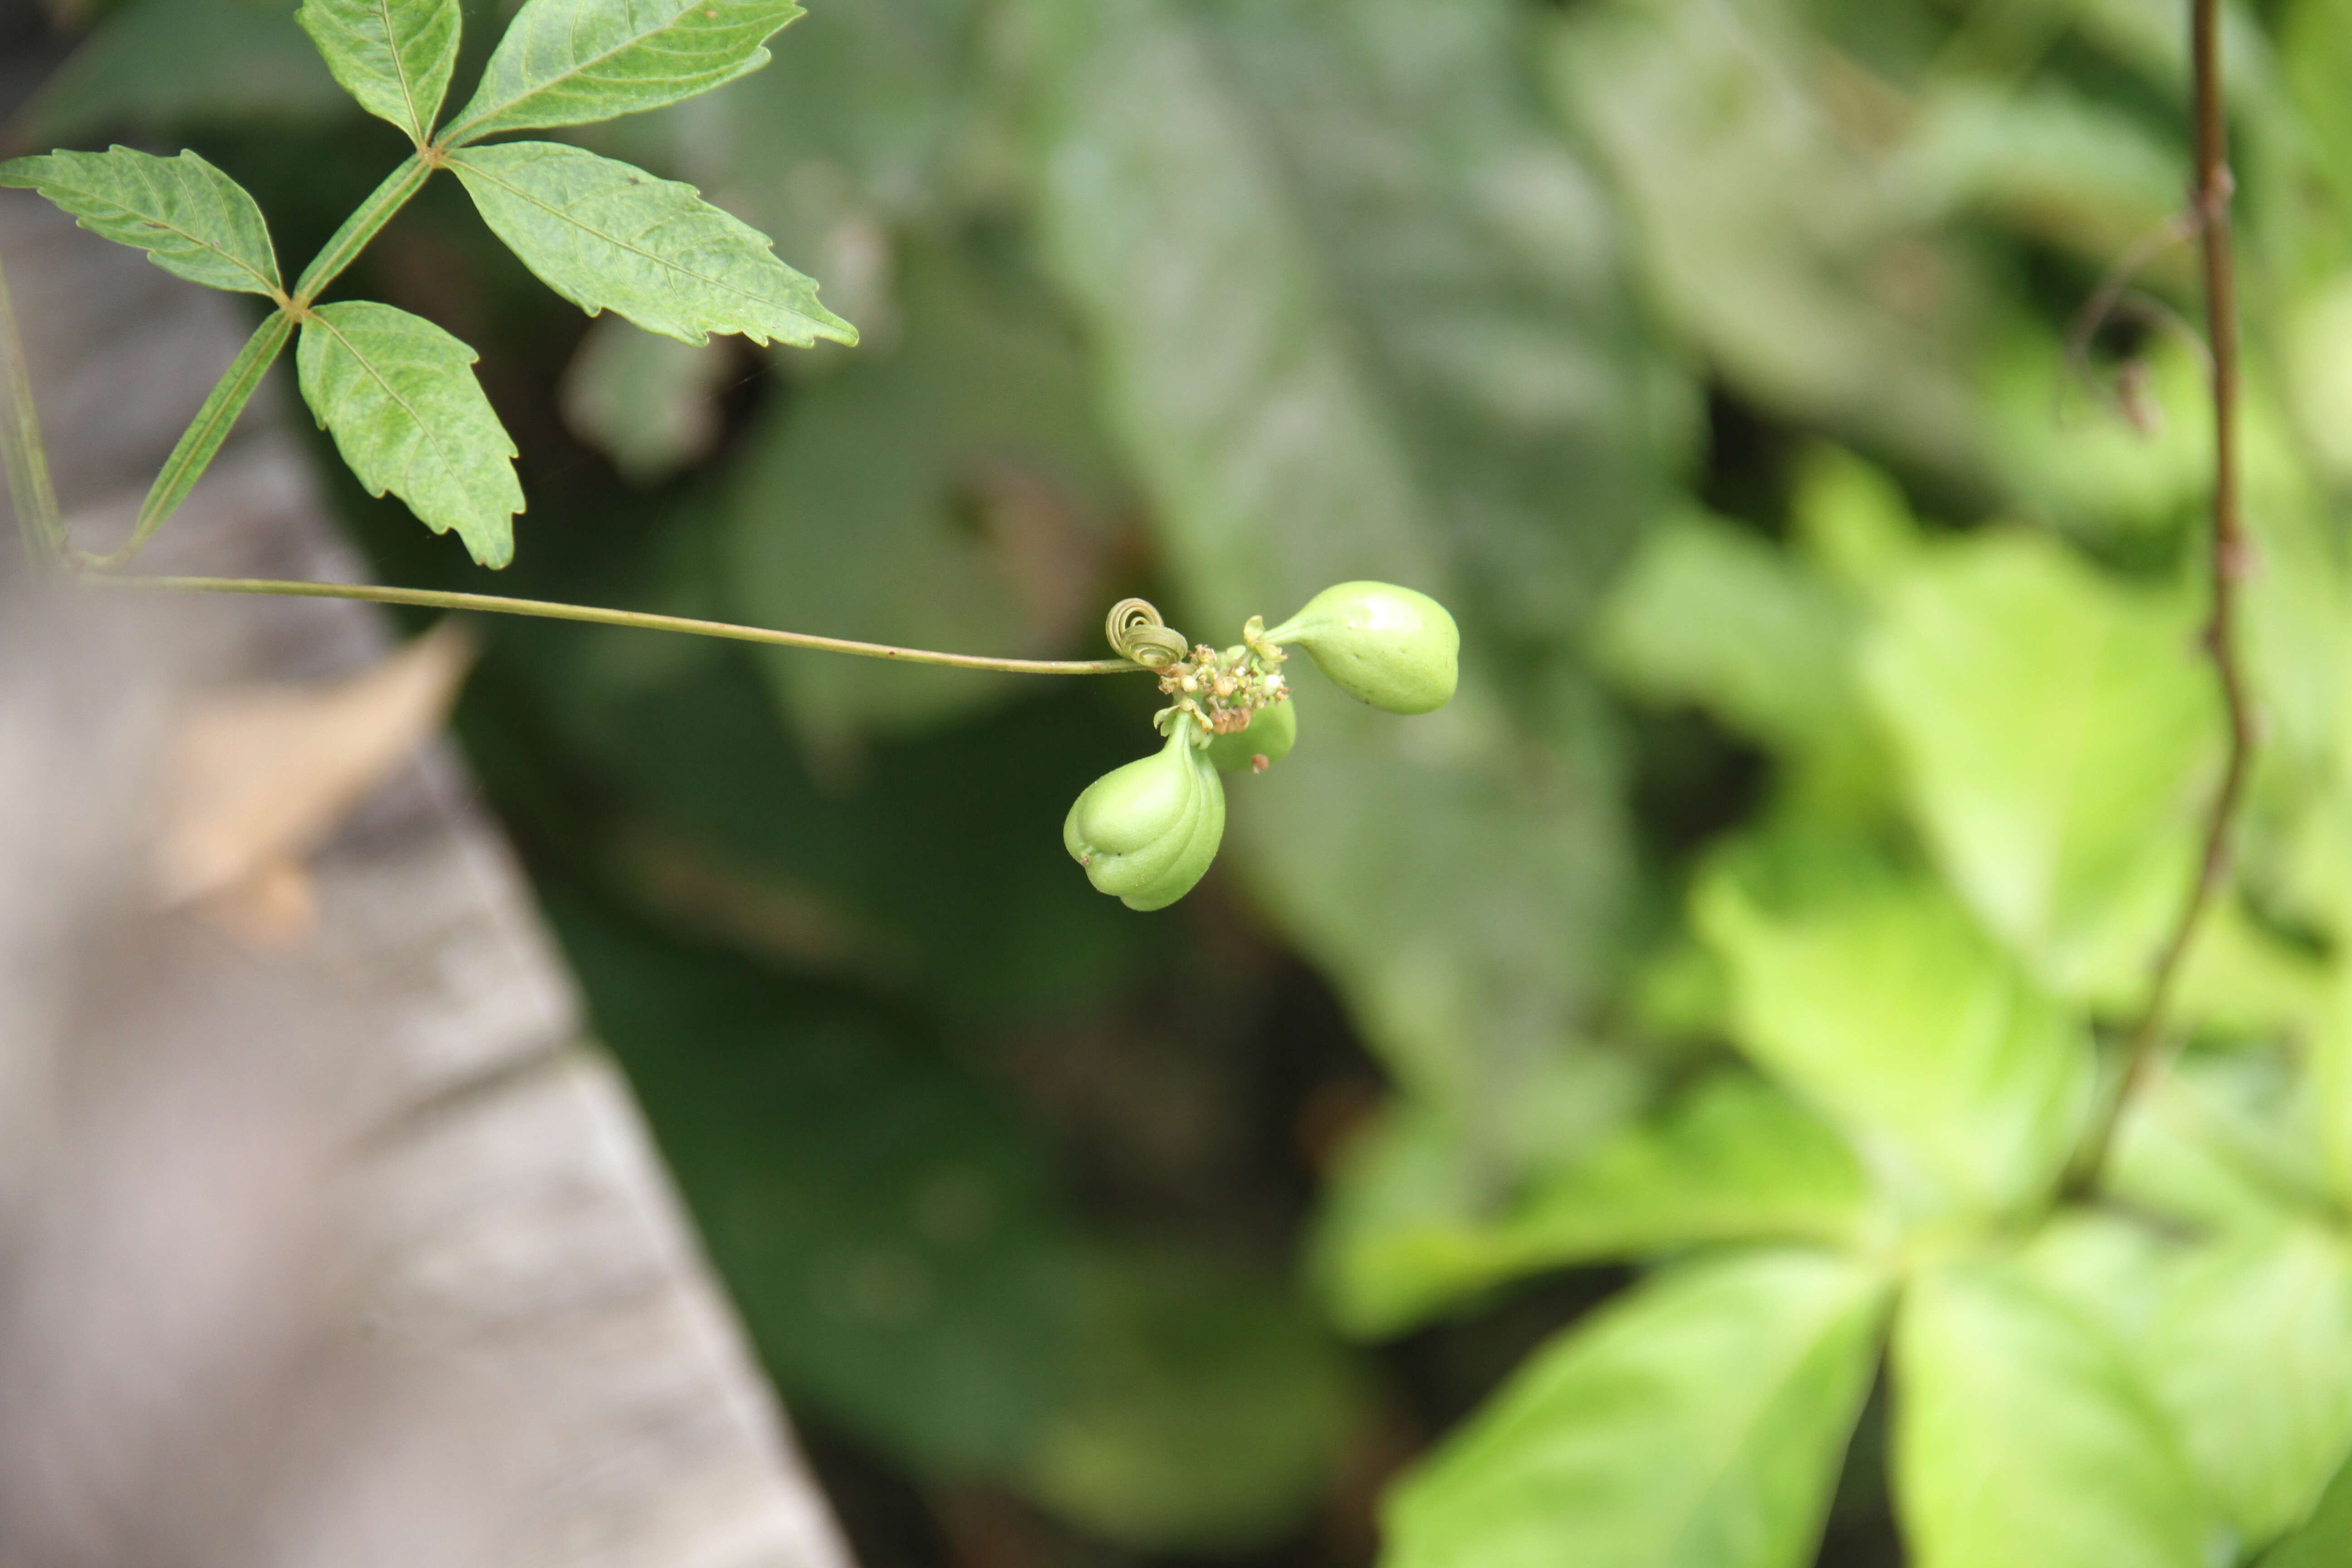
1822,606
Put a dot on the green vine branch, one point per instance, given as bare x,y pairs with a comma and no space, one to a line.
2209,196
429,598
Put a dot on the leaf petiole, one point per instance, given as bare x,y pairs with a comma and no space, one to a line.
201,440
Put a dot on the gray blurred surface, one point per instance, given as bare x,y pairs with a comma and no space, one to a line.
349,1252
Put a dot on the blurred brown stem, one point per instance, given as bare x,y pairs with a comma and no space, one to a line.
2210,207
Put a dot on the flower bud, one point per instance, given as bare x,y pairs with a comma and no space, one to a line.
1272,731
1392,647
1146,832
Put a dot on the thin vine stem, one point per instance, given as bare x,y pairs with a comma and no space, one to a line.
2210,206
434,599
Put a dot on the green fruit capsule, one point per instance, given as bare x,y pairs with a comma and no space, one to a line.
1146,832
1392,647
1272,730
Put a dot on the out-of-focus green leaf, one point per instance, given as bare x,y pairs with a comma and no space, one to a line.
882,1219
159,63
2223,1142
2059,737
1209,1414
2316,50
1714,616
2317,346
2239,1335
1771,234
2023,1440
1721,619
950,491
2047,161
393,56
1734,1161
649,403
570,62
2251,1352
192,220
1897,1017
1453,872
1853,521
603,234
1699,1420
399,397
1469,252
2075,459
2325,1539
717,820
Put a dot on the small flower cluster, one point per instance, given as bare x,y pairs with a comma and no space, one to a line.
1224,690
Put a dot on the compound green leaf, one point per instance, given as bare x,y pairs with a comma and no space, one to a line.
1890,1011
605,234
393,56
2059,737
1734,1161
2023,1440
399,398
572,62
1697,1423
192,220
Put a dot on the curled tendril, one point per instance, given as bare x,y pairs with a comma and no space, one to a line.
1136,633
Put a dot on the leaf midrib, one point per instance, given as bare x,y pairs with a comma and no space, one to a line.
465,130
449,468
269,284
416,125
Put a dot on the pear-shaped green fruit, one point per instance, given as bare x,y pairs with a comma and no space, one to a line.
1393,648
1146,832
1272,730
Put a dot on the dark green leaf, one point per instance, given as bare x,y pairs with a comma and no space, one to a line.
399,397
572,62
393,56
1210,1411
160,64
951,489
193,221
1697,1423
603,234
